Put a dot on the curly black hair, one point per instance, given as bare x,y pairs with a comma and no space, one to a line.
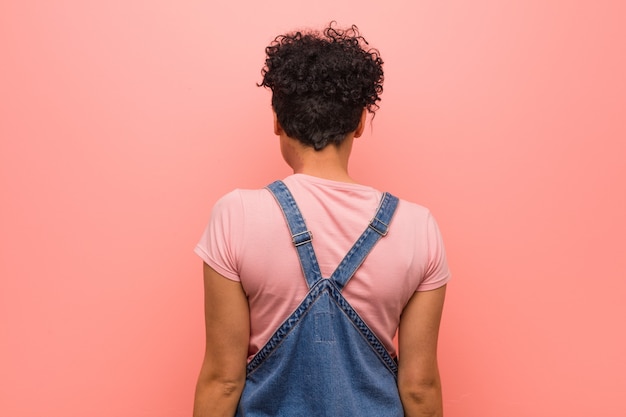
321,82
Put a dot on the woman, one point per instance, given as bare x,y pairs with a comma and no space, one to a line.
308,280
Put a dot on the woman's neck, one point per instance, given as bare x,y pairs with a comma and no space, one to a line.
330,163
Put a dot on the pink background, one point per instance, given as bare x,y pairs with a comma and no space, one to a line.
123,121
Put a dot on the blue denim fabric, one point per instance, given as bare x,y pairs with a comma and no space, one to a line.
324,360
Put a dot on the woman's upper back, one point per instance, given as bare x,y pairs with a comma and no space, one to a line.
248,240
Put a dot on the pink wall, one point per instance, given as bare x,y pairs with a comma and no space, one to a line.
123,121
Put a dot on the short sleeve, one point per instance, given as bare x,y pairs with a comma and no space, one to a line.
217,246
437,273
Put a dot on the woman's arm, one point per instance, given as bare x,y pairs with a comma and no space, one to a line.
223,372
418,373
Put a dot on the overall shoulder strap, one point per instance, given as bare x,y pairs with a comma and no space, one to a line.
300,235
377,228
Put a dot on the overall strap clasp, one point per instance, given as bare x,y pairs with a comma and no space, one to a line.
376,229
300,235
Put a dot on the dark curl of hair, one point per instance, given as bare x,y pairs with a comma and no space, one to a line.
322,82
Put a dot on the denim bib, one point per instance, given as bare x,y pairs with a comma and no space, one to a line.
324,360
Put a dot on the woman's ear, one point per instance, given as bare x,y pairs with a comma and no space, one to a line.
278,129
359,129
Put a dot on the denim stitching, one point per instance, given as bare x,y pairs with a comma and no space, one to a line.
366,332
290,323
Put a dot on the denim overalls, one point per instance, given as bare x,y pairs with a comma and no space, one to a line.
324,360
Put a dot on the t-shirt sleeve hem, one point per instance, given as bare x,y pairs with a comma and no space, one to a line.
434,285
223,272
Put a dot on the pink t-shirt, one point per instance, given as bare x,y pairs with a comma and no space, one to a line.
247,240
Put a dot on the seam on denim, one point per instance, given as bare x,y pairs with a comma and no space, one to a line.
365,332
290,323
287,326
